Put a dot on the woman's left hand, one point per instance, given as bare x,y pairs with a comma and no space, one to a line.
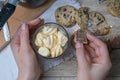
24,55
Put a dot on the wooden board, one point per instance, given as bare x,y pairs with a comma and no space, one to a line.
21,15
68,70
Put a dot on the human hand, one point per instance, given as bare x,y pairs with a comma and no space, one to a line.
93,59
24,55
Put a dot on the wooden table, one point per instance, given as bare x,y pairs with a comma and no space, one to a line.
68,70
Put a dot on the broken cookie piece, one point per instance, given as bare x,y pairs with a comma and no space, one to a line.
81,17
100,26
81,36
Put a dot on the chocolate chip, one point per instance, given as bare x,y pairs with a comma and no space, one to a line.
116,7
70,11
59,8
80,15
99,18
68,15
64,15
65,10
85,11
94,15
65,25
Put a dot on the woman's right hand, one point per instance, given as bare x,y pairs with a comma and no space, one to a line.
93,59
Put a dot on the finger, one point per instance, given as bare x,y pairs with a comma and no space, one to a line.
80,53
75,37
94,41
91,51
87,55
24,36
100,48
104,54
35,23
94,57
15,43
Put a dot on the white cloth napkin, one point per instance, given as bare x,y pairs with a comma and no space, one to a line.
48,16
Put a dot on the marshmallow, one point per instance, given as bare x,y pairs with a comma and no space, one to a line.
56,51
48,42
62,39
44,51
59,50
49,30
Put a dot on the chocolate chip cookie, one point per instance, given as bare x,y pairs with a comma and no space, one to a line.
81,17
114,8
65,15
99,23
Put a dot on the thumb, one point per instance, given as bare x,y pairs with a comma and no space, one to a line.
80,53
24,36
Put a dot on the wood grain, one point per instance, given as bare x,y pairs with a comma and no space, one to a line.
73,78
21,15
68,70
59,78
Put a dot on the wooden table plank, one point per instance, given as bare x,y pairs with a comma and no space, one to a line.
68,70
59,78
115,58
74,78
113,78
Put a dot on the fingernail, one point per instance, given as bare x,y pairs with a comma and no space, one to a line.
40,19
78,44
24,26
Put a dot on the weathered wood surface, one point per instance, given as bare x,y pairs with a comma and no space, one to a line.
68,70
